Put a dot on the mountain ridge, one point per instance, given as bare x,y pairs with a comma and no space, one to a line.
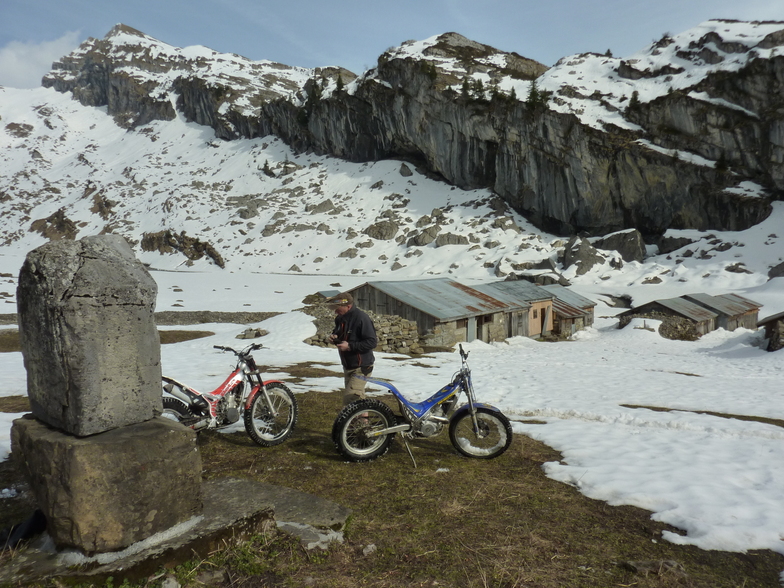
606,159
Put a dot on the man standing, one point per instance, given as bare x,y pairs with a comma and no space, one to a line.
355,337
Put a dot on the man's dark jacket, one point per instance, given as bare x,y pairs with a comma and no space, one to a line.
356,327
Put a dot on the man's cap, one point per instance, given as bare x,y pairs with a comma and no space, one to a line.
341,299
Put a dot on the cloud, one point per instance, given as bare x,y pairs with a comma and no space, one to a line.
22,65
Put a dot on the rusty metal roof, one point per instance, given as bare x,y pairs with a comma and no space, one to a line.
519,290
568,296
726,304
686,308
563,309
444,299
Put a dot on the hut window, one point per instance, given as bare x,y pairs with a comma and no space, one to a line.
461,323
536,313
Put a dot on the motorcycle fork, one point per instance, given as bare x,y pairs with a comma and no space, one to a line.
262,389
469,390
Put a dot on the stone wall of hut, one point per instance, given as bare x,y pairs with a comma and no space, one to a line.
395,334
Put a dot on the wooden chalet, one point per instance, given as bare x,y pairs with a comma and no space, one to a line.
733,311
704,320
571,311
537,321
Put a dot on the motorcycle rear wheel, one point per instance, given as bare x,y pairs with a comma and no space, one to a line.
495,434
264,428
349,433
175,410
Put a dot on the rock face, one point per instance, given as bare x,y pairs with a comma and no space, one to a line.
675,161
108,491
88,337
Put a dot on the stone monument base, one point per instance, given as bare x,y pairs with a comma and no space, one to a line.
105,492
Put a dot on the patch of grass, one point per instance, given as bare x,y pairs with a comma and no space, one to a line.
9,341
299,372
723,415
180,336
14,404
9,338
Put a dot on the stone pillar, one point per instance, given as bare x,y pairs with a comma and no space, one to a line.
106,469
88,335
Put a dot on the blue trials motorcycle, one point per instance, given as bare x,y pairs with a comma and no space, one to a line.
364,429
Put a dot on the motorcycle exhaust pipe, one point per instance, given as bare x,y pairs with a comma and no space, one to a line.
178,394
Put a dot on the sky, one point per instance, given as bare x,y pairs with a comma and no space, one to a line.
351,33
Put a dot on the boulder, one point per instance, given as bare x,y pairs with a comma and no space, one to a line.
88,336
106,492
629,244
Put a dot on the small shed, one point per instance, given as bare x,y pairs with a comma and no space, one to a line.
446,312
704,320
538,320
774,331
573,312
733,311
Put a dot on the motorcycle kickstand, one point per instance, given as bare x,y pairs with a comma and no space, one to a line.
408,448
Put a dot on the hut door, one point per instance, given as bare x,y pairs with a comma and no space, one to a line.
471,329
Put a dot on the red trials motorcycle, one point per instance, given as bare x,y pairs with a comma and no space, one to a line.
268,408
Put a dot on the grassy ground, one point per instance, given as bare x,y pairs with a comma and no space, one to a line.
451,522
9,338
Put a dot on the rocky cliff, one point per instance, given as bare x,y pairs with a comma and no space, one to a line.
689,133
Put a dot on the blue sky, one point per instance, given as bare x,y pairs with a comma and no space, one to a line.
351,33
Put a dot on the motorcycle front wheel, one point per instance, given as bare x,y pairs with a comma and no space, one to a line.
355,421
262,425
175,410
492,439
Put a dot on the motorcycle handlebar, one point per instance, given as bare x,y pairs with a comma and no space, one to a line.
251,347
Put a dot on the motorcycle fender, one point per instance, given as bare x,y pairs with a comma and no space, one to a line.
256,389
465,408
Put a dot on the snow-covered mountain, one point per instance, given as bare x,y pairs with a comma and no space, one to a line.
183,197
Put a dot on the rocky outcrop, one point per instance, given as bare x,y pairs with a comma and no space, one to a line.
169,241
427,107
629,244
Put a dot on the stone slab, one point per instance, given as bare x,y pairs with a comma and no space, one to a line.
105,492
234,510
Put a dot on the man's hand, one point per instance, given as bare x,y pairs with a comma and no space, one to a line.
342,346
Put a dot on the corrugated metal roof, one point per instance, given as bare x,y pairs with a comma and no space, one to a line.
726,304
521,290
688,309
745,302
510,298
563,309
570,297
443,298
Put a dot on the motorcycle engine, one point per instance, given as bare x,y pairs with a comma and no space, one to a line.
227,410
430,428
